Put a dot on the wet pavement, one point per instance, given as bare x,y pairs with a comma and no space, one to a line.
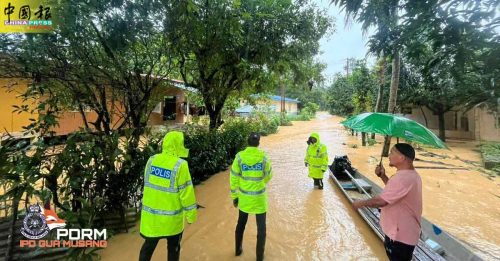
308,224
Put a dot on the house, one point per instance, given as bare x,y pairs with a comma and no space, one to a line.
174,108
267,103
478,123
12,121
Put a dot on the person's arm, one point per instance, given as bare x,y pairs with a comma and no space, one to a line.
306,158
186,193
268,172
380,172
375,202
394,191
234,180
324,158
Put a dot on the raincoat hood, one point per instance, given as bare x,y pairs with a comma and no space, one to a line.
173,144
316,136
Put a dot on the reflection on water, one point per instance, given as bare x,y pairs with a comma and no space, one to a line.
308,224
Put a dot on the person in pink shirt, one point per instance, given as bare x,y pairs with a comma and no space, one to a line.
400,202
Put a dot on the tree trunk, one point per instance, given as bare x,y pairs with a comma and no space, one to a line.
214,112
380,87
282,109
392,97
442,135
394,83
363,138
214,119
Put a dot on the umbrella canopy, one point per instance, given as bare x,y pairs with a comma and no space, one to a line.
393,125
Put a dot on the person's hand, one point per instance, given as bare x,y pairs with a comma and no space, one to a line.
235,202
305,163
357,204
380,171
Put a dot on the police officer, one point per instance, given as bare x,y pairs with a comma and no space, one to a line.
168,197
250,172
316,159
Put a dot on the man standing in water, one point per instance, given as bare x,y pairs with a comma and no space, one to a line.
250,173
316,159
168,198
401,203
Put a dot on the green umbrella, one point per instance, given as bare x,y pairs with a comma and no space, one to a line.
393,125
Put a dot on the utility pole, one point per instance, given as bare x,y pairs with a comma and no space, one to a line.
283,110
349,63
346,67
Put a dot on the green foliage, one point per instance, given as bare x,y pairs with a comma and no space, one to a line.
310,109
253,39
371,142
304,82
207,152
211,151
300,117
267,122
491,155
355,93
91,175
287,120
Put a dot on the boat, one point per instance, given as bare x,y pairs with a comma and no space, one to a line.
434,244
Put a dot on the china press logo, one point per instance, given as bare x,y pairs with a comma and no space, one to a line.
26,16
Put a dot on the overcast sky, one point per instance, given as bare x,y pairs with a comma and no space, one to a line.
346,42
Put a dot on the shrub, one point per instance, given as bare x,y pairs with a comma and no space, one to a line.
491,156
211,151
371,141
310,109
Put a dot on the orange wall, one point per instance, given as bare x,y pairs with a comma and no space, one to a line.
9,120
483,124
69,121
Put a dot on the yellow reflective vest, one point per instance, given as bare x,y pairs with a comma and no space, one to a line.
250,172
168,196
316,158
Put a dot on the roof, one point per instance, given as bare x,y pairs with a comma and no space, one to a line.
245,109
278,98
176,83
275,98
250,108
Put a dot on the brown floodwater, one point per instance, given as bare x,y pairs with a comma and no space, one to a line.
308,224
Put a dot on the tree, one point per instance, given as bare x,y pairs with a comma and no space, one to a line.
107,57
380,71
339,96
399,22
384,15
452,59
354,93
364,84
304,82
226,46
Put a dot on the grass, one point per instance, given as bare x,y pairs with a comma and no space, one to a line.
491,156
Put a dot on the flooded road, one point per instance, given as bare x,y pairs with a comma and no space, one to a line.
308,224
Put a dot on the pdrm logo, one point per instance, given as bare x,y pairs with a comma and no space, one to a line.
39,222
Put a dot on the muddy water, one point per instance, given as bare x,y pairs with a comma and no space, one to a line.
308,224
